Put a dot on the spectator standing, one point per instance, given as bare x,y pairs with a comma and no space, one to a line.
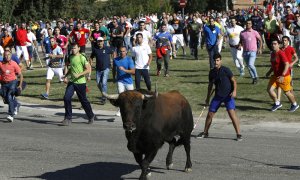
225,92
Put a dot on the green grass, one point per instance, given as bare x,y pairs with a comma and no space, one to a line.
188,76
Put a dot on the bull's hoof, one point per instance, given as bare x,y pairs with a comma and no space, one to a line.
170,166
187,170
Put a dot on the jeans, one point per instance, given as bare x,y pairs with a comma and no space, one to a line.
237,56
80,90
211,52
101,79
250,57
145,74
8,91
127,43
166,58
194,45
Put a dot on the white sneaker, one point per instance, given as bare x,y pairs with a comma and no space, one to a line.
118,113
17,108
10,118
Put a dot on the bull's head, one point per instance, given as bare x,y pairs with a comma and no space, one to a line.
131,105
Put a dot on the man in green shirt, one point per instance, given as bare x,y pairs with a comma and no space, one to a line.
77,67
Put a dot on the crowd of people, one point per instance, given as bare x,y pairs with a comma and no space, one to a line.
125,45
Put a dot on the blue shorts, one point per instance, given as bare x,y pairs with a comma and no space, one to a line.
217,101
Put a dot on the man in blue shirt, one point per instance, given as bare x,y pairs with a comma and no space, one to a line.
163,48
225,92
102,54
47,45
123,68
212,35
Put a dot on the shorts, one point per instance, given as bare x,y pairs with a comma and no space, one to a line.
55,71
217,101
22,50
285,85
179,38
124,87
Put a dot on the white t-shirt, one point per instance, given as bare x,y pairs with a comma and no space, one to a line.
129,26
233,33
141,54
146,36
44,32
1,51
31,37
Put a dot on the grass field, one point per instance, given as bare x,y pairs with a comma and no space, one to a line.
188,76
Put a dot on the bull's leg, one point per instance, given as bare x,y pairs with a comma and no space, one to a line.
138,158
145,165
169,160
187,147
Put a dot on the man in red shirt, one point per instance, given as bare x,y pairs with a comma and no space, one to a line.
21,41
9,71
79,35
281,77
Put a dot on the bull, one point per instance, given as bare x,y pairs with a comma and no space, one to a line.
149,120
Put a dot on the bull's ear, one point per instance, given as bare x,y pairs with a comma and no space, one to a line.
114,102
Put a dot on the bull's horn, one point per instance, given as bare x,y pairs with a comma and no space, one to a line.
146,96
110,96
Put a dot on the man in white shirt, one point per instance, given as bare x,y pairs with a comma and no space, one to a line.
55,66
147,38
30,45
233,34
143,57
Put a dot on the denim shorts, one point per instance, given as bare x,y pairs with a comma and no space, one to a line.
217,101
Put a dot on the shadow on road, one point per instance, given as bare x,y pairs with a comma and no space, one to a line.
93,171
271,164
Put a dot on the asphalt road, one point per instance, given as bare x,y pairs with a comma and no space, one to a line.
35,146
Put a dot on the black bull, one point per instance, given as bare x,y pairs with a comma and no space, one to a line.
150,120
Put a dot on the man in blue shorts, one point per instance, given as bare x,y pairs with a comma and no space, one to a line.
225,92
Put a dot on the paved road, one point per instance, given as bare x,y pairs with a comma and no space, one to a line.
34,146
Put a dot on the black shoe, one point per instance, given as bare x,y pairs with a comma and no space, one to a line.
66,122
102,102
239,137
91,121
255,81
29,68
202,135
